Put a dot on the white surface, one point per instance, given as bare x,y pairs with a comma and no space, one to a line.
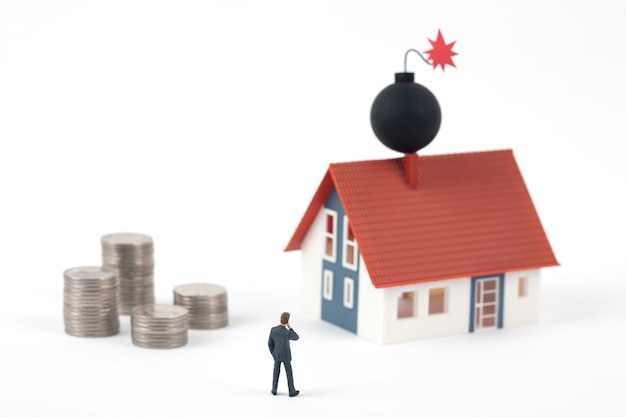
455,320
310,276
208,125
526,309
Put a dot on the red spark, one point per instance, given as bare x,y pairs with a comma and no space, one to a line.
442,53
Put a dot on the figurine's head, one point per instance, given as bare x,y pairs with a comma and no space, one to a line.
284,318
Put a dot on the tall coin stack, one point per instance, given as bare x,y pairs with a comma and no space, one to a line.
132,256
90,301
207,304
159,326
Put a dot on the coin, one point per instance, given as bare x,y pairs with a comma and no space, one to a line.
132,256
159,326
91,301
207,304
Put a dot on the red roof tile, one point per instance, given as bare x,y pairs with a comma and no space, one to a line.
469,215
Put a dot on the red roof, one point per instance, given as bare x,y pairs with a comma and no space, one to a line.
470,215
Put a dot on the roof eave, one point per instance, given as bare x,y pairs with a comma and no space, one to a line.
314,207
457,276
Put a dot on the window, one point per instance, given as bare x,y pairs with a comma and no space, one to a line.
330,235
522,287
327,290
437,300
348,293
350,253
406,305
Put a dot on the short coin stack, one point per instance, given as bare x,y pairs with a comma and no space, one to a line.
159,326
132,256
90,301
207,304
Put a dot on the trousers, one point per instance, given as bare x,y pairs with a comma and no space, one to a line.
289,372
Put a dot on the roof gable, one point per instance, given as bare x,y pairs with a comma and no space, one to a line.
469,215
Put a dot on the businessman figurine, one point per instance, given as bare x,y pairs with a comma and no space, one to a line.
280,350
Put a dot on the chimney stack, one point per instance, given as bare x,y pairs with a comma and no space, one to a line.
411,169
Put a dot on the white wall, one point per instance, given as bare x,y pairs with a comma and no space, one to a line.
521,310
312,250
454,321
371,301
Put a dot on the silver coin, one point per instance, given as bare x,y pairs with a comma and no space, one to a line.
126,239
154,345
207,304
89,273
92,331
91,301
159,326
131,255
155,311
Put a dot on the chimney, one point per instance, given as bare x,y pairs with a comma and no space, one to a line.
411,169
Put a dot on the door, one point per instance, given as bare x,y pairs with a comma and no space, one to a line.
487,297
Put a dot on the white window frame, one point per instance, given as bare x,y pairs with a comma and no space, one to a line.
481,303
327,285
348,292
333,236
349,243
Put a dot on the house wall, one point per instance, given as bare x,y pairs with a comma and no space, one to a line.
371,300
342,308
521,310
455,319
377,318
312,250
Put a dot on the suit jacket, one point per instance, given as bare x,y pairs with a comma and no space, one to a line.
279,343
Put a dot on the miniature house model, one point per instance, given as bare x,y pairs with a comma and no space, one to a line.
416,247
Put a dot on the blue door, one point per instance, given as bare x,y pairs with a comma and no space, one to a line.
487,302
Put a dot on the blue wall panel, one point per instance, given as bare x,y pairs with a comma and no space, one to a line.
334,311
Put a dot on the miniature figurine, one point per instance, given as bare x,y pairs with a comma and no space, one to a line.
281,351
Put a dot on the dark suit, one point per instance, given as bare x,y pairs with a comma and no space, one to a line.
279,348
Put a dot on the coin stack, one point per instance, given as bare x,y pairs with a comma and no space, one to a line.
159,326
207,304
132,256
90,301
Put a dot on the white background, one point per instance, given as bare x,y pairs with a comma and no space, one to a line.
209,124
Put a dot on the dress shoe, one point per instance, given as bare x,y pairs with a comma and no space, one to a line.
273,392
293,394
